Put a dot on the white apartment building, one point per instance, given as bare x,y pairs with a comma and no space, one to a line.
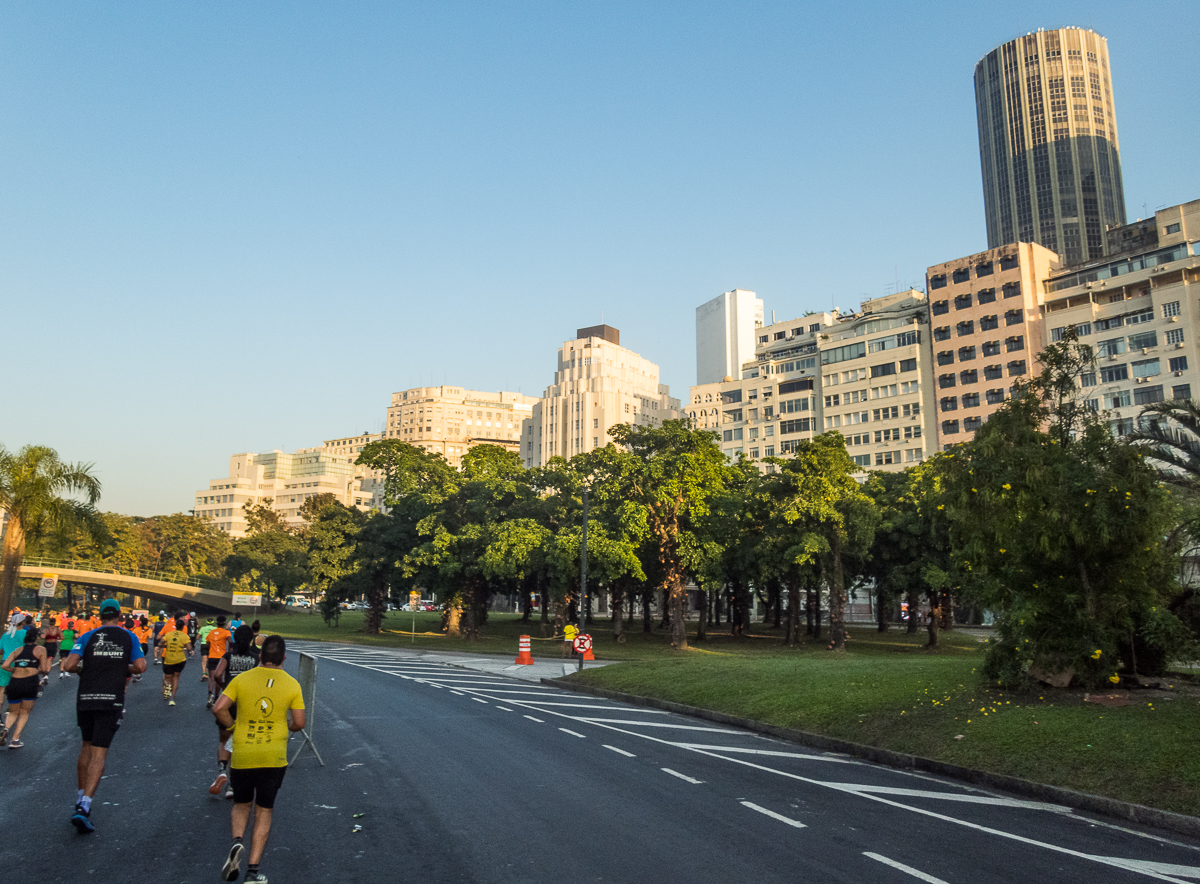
867,375
452,420
284,481
598,385
1138,309
726,331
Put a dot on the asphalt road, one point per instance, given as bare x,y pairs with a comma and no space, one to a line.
468,776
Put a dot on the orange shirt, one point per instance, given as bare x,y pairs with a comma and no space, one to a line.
216,642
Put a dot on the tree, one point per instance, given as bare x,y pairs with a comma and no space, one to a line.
671,472
331,537
261,517
1062,530
1170,436
830,517
33,482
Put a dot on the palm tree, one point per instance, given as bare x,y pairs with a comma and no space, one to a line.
1172,441
32,482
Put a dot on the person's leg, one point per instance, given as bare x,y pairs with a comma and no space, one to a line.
23,710
239,818
262,829
94,770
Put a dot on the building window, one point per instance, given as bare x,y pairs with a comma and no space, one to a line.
1143,341
800,425
1013,317
1179,363
1171,228
940,307
1016,368
966,354
1111,347
883,458
1146,395
942,334
970,400
995,397
949,428
966,327
1008,262
986,296
763,339
908,365
945,357
984,269
1087,379
887,368
971,376
988,323
863,460
1113,373
1015,343
1171,308
937,282
770,451
963,301
962,274
1146,368
949,403
1181,391
1175,336
1119,399
754,453
947,380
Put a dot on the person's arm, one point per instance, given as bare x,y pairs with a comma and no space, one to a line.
297,720
219,672
7,665
137,667
220,712
71,664
44,666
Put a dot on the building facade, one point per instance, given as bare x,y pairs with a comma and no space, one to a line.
1048,143
452,420
986,320
598,384
867,375
726,329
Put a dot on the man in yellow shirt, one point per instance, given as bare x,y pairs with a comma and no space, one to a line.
266,695
176,646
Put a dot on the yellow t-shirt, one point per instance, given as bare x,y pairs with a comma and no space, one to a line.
260,733
569,632
174,646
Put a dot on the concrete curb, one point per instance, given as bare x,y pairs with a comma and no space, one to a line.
1122,810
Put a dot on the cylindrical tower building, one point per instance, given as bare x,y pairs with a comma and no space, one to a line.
1048,143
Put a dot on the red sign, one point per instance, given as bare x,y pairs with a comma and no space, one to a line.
582,644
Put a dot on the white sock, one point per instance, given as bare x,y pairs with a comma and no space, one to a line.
79,797
86,803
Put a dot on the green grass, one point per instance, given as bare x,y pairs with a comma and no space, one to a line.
885,691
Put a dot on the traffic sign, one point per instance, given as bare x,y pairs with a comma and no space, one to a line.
582,644
48,586
247,599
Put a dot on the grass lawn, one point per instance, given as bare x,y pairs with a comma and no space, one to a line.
885,691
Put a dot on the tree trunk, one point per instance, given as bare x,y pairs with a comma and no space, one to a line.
791,636
913,609
618,617
526,604
376,600
881,611
809,612
947,605
667,592
701,635
935,617
837,596
776,597
739,607
676,593
647,595
12,552
454,610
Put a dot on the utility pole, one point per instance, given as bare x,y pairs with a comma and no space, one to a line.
583,575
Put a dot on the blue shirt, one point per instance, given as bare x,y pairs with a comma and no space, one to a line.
8,644
106,653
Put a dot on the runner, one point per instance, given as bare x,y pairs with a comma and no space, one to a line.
175,650
193,627
260,736
12,640
218,636
25,667
202,635
104,658
258,639
51,638
159,625
64,647
242,657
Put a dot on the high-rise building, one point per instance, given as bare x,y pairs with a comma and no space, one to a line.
867,375
1048,143
598,385
451,420
726,328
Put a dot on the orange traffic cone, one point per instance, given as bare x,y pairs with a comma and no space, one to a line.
524,657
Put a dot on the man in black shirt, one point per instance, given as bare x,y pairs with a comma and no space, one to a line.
104,658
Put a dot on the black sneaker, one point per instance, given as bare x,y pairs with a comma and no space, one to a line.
256,878
82,820
233,862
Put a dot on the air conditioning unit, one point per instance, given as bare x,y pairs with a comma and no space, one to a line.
1174,319
1178,374
1179,346
1142,380
1113,357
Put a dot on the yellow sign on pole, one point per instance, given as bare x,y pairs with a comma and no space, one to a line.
49,586
414,600
247,599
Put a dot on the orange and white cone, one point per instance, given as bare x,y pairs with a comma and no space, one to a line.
524,656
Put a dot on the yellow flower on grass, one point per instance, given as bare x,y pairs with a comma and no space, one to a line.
1096,654
1006,487
1114,678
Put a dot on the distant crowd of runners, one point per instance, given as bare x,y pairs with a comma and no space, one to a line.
108,650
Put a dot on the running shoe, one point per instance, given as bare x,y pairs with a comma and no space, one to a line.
208,705
15,744
218,784
171,703
233,863
82,820
228,793
3,736
256,878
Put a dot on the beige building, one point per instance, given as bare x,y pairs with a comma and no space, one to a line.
283,481
866,375
452,420
598,385
986,317
1138,309
1048,143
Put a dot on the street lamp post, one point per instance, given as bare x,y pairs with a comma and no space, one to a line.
583,575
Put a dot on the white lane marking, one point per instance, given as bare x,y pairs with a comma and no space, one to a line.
572,733
590,706
620,751
1145,865
538,720
683,777
773,815
504,709
458,693
440,687
477,700
742,751
908,870
953,796
538,693
666,724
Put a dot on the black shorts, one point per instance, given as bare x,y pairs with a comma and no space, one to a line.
63,653
172,668
212,663
99,726
204,649
145,649
257,784
22,689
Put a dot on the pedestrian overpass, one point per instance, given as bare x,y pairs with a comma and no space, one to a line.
202,595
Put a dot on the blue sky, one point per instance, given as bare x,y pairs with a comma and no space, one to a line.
238,227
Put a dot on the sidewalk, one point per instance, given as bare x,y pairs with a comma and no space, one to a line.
542,667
